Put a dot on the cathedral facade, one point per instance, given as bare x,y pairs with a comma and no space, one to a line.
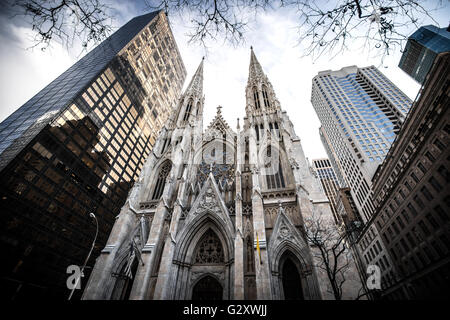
217,213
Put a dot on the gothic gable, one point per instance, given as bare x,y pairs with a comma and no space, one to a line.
218,125
210,203
285,234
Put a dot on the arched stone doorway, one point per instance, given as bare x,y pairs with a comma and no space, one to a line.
290,277
207,288
204,248
292,287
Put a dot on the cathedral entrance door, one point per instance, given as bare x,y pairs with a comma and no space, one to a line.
207,288
291,281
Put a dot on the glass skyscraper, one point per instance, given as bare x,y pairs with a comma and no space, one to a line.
77,147
421,50
360,111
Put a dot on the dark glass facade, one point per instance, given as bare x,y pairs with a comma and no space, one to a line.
421,51
77,147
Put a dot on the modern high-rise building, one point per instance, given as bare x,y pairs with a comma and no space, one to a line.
328,182
421,50
412,195
361,112
77,147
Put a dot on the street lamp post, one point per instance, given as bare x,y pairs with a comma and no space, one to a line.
87,258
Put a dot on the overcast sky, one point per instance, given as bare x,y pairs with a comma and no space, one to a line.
274,40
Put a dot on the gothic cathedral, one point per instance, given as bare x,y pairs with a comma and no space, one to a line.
217,214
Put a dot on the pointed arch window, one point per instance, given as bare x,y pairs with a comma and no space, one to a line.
188,110
209,249
165,145
256,98
276,180
265,97
161,180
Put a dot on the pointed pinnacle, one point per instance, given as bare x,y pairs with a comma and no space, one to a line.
197,79
255,67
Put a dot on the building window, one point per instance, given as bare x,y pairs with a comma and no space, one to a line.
424,228
437,248
442,214
256,98
422,168
435,184
426,193
265,97
187,113
444,173
161,181
419,202
404,245
408,186
432,221
405,216
276,181
410,239
400,222
412,209
394,254
430,156
439,144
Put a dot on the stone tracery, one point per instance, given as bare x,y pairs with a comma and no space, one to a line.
209,249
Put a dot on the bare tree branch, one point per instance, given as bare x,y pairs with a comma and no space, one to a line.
65,21
325,27
332,254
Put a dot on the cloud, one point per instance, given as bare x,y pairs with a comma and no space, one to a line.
24,72
275,41
273,36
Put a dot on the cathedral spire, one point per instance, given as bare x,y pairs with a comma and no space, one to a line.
196,84
255,69
191,102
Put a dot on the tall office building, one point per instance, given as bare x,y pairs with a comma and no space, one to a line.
329,183
421,50
77,147
412,195
361,112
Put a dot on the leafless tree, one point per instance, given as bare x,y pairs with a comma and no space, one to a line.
380,25
323,26
65,21
329,249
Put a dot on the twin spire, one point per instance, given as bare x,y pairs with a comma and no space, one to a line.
196,84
